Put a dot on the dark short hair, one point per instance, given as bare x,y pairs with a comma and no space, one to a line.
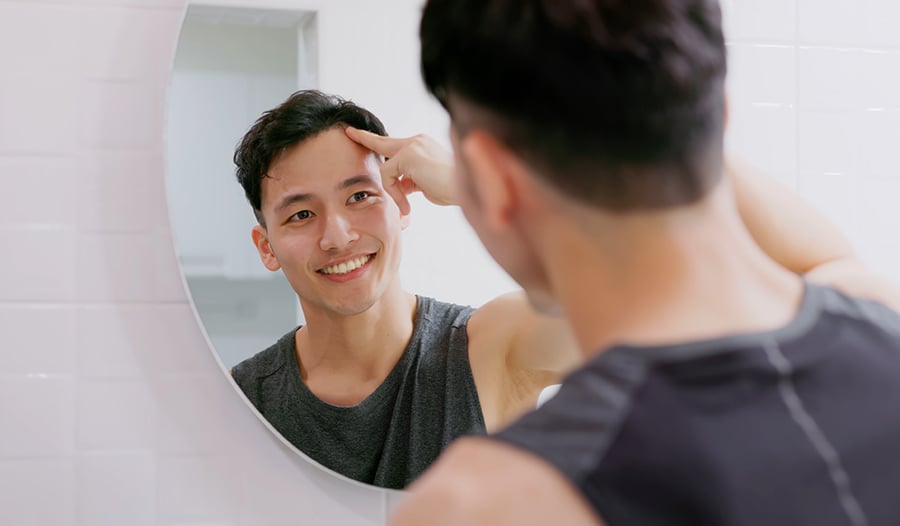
618,103
302,116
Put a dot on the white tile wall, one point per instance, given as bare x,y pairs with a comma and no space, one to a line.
39,407
831,22
36,175
880,23
38,338
110,109
124,185
46,31
196,489
116,487
842,126
116,415
114,410
37,491
120,43
50,105
762,21
38,262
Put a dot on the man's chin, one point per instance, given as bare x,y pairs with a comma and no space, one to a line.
352,307
344,310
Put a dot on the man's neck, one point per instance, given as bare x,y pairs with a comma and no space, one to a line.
654,279
365,345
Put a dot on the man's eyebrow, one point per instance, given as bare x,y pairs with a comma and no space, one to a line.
353,181
292,199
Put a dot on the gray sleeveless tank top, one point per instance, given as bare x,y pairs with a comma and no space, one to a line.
427,400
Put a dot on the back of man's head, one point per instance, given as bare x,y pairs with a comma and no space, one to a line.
304,115
618,103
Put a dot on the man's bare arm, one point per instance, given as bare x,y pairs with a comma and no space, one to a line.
478,482
533,341
802,239
790,230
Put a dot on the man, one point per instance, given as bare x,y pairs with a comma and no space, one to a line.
379,381
719,388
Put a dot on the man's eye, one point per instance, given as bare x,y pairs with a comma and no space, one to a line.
359,196
301,215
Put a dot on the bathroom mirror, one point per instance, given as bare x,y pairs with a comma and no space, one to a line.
234,62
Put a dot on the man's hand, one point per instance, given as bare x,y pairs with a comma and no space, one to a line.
414,164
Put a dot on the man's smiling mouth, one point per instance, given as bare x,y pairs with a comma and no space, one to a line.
347,266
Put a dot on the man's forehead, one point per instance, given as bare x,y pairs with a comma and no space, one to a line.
328,158
300,177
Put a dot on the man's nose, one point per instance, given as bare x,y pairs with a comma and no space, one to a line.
338,232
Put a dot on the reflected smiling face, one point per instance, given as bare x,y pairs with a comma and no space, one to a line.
330,226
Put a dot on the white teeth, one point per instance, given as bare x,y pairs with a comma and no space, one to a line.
346,267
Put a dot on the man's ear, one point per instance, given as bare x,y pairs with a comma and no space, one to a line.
493,170
261,241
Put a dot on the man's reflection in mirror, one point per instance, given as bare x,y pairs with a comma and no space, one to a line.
379,380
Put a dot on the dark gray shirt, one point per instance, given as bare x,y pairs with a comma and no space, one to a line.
427,400
799,426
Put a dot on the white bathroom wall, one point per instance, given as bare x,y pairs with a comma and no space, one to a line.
113,409
814,89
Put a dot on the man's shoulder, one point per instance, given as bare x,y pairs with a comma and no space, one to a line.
435,305
497,317
266,362
854,308
445,312
476,477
